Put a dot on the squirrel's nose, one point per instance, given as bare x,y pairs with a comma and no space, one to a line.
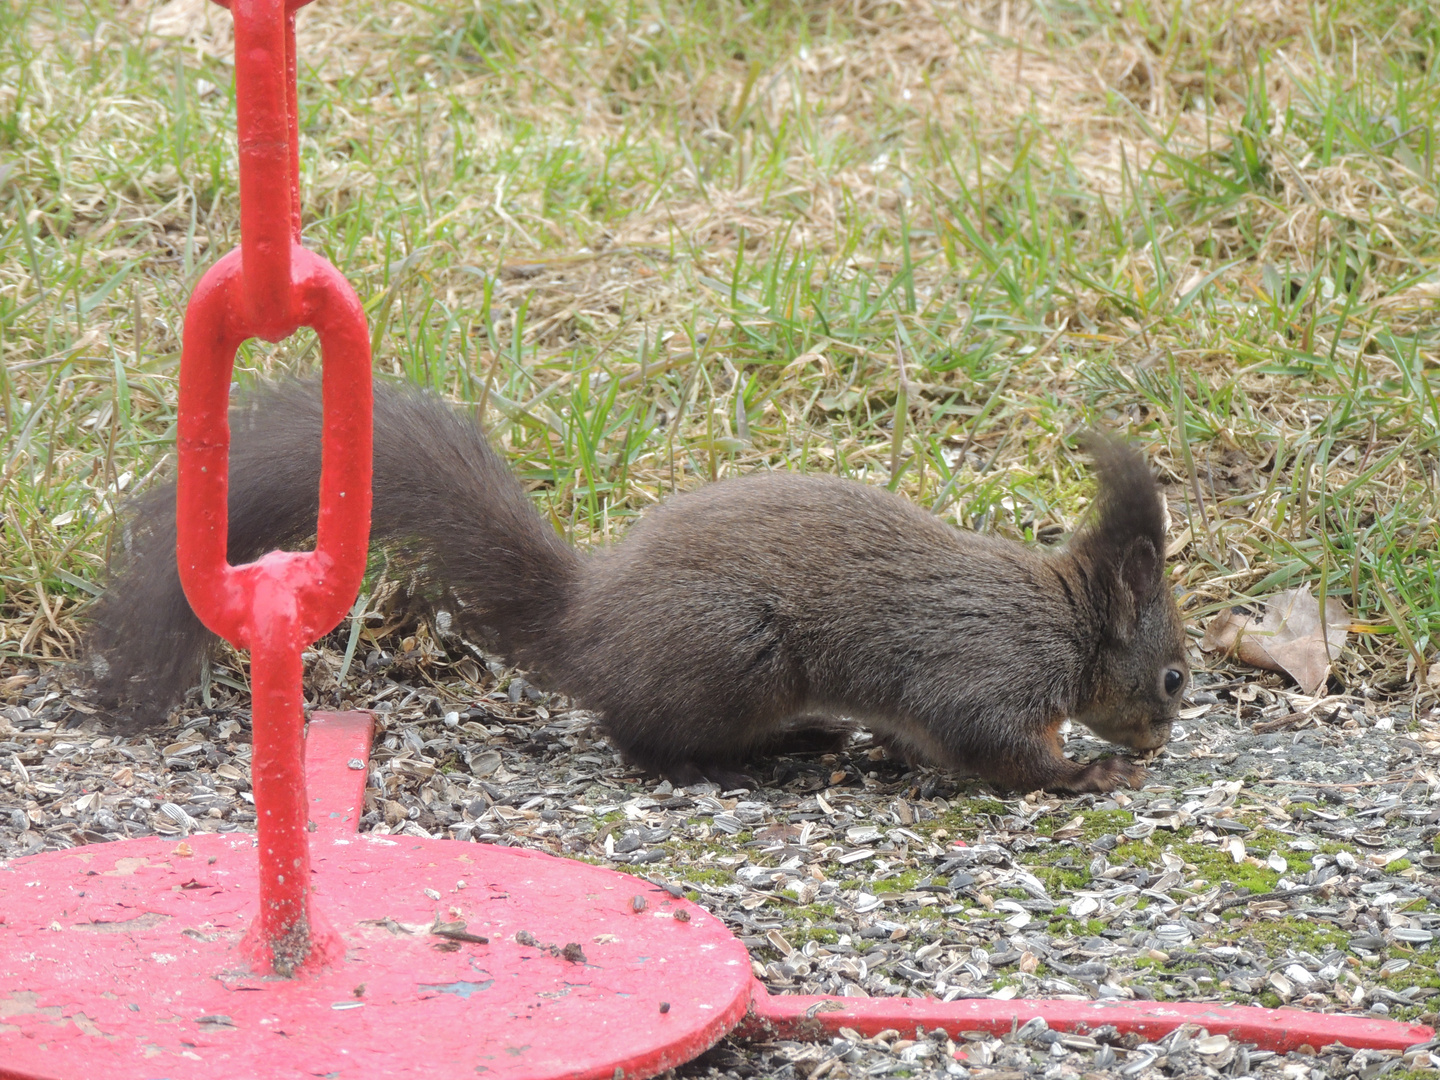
1157,736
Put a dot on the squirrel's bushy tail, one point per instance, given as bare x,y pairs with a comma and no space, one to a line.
441,495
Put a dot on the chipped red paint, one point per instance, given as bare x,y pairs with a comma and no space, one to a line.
275,606
1282,1030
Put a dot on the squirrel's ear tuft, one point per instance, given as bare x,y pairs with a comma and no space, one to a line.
1124,538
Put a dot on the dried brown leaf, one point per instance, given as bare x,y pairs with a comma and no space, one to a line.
1290,638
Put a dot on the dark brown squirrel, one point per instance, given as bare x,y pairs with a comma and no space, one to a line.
729,620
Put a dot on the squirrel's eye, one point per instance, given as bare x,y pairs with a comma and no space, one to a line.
1174,680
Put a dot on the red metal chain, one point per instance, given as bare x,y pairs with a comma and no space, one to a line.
275,606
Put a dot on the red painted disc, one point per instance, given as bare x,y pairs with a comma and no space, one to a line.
123,960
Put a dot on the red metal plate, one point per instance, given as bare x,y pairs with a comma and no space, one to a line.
123,960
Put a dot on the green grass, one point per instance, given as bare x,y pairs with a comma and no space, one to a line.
665,243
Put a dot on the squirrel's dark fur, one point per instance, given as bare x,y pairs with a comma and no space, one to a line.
729,618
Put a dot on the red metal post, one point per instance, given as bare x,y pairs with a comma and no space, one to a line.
263,58
284,600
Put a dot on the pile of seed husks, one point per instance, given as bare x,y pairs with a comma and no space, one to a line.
1283,853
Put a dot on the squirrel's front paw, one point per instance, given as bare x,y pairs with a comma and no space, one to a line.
1107,774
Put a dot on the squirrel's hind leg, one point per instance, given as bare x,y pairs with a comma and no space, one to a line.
689,773
808,735
681,768
706,735
805,735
